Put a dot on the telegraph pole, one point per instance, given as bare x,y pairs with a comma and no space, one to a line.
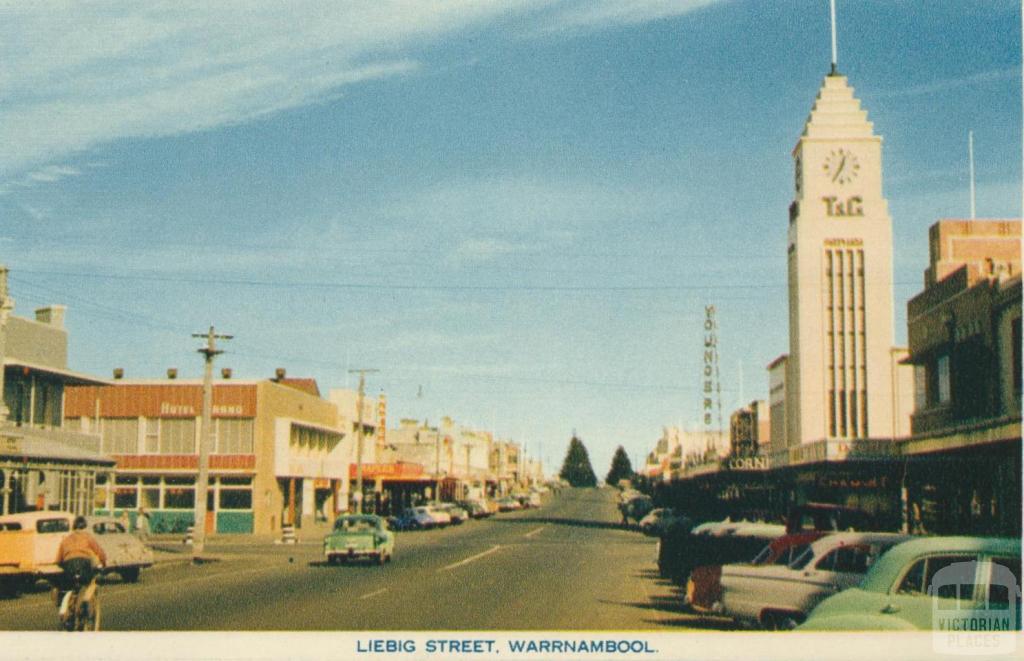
359,433
205,439
6,307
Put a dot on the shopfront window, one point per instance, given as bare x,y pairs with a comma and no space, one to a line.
235,499
179,498
126,498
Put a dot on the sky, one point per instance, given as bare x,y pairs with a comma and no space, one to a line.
515,211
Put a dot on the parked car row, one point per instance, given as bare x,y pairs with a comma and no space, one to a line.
29,543
812,575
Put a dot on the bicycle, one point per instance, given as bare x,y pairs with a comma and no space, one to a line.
79,608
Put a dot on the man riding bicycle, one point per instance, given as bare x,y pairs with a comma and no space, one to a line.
80,556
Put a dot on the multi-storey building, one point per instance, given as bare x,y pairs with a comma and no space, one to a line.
277,455
964,458
42,464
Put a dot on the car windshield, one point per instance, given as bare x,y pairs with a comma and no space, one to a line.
800,561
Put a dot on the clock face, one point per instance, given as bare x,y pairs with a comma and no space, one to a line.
841,166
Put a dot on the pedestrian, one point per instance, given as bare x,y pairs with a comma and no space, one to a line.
125,521
142,524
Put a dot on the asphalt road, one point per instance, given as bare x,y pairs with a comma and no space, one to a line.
565,566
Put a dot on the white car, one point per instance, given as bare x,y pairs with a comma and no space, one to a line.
441,518
126,554
781,596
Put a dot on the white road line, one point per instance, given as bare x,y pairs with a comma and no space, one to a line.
374,594
534,532
471,558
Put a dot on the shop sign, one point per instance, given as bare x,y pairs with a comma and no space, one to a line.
847,482
10,444
747,463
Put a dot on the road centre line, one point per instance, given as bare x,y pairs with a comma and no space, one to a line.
374,593
471,558
534,532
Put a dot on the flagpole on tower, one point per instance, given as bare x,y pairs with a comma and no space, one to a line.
970,161
832,5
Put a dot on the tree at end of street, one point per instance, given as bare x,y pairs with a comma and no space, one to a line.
576,468
621,468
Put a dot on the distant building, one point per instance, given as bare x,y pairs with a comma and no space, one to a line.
964,328
750,430
777,405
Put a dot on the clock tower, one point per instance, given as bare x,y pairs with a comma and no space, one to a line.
841,369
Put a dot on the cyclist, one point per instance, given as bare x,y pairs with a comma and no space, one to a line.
80,556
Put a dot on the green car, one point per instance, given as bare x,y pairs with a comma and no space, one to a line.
932,583
359,536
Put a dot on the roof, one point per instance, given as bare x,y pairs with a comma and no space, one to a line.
837,539
67,376
881,575
308,386
22,443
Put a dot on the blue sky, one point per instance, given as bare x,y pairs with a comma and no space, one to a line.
516,211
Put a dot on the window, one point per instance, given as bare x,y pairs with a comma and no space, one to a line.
1015,354
53,525
920,387
852,559
942,368
126,498
919,579
179,498
152,441
236,499
234,436
1003,582
178,436
801,560
120,435
151,498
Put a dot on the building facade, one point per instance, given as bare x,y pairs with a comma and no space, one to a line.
43,465
839,378
277,455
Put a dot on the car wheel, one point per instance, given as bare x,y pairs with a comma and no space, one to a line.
129,574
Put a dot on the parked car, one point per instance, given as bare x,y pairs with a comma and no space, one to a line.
704,587
658,520
781,596
440,516
359,536
29,542
833,518
723,541
636,507
475,508
508,504
914,587
455,513
412,518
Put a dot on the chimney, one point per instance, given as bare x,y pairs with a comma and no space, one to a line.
225,372
52,315
279,373
118,372
172,372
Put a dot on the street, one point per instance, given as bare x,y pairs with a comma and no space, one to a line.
565,566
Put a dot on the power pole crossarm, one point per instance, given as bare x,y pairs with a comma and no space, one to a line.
210,351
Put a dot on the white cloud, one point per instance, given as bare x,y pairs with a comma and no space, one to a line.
77,75
947,84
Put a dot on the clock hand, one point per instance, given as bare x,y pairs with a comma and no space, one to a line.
839,170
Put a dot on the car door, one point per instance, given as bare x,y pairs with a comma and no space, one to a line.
918,599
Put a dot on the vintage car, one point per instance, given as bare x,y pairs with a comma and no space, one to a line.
780,596
474,508
29,542
127,556
508,504
704,588
456,514
412,518
441,517
951,583
723,541
359,536
658,520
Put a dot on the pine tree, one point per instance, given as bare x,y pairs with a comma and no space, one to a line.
621,468
576,468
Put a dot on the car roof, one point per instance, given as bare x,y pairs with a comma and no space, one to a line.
32,517
837,539
880,577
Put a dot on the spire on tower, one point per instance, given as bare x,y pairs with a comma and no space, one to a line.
832,6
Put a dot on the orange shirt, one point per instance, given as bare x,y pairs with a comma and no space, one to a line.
80,544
